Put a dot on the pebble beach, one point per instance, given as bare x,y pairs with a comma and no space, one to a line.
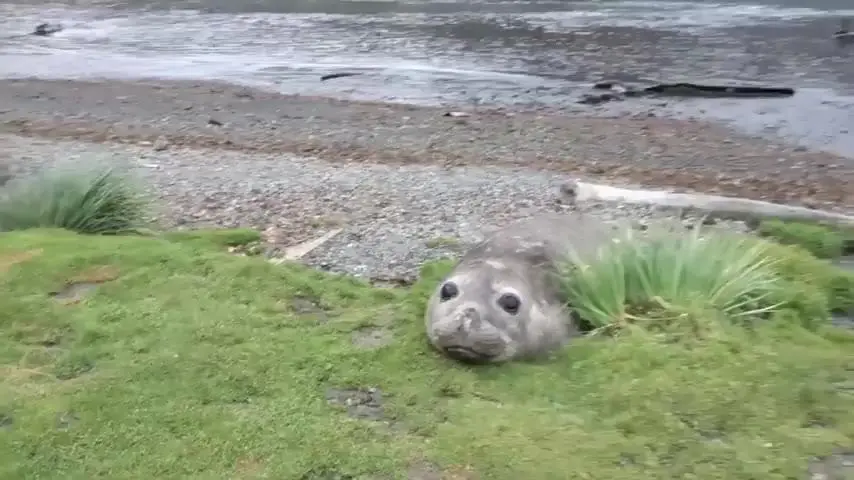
404,184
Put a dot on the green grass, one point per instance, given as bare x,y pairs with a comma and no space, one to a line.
821,241
88,198
187,362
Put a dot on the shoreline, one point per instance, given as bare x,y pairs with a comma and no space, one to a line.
653,151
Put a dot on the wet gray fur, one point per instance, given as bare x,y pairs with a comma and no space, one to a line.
521,259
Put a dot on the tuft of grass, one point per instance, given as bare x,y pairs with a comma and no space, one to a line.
809,276
90,199
639,275
193,363
821,241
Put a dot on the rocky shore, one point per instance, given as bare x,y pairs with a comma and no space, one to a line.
403,184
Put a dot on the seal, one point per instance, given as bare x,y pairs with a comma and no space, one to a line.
504,300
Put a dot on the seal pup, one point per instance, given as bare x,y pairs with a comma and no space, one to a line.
504,300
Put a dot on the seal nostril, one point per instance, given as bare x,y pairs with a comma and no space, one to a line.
473,317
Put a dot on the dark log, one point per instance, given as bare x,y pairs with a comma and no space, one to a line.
330,76
617,91
694,90
46,29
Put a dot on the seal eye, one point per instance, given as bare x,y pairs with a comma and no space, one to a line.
510,303
449,291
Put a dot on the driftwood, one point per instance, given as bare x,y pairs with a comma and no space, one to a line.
41,30
844,29
295,252
713,206
46,29
844,36
616,91
719,91
697,90
331,76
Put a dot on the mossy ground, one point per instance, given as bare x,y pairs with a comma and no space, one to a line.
186,362
822,241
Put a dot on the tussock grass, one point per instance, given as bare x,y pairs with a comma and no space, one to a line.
659,276
89,198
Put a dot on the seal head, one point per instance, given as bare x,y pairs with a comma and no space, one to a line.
504,299
490,312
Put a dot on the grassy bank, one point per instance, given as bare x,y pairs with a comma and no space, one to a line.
164,356
182,361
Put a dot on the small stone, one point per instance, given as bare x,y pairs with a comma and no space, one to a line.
160,144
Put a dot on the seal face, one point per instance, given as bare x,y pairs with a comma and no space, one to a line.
503,300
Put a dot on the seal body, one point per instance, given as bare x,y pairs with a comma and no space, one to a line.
503,300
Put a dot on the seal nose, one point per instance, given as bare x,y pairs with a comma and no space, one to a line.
472,317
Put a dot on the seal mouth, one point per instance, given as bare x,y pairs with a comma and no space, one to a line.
467,355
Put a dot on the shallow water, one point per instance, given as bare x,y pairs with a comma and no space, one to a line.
525,52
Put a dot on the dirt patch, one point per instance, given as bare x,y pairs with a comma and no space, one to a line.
6,420
424,471
360,403
371,338
326,475
11,259
99,274
306,306
74,292
252,249
66,420
82,285
248,467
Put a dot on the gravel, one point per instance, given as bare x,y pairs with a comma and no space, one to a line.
404,184
646,150
392,217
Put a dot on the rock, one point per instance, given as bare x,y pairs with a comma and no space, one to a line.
606,85
161,144
360,403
